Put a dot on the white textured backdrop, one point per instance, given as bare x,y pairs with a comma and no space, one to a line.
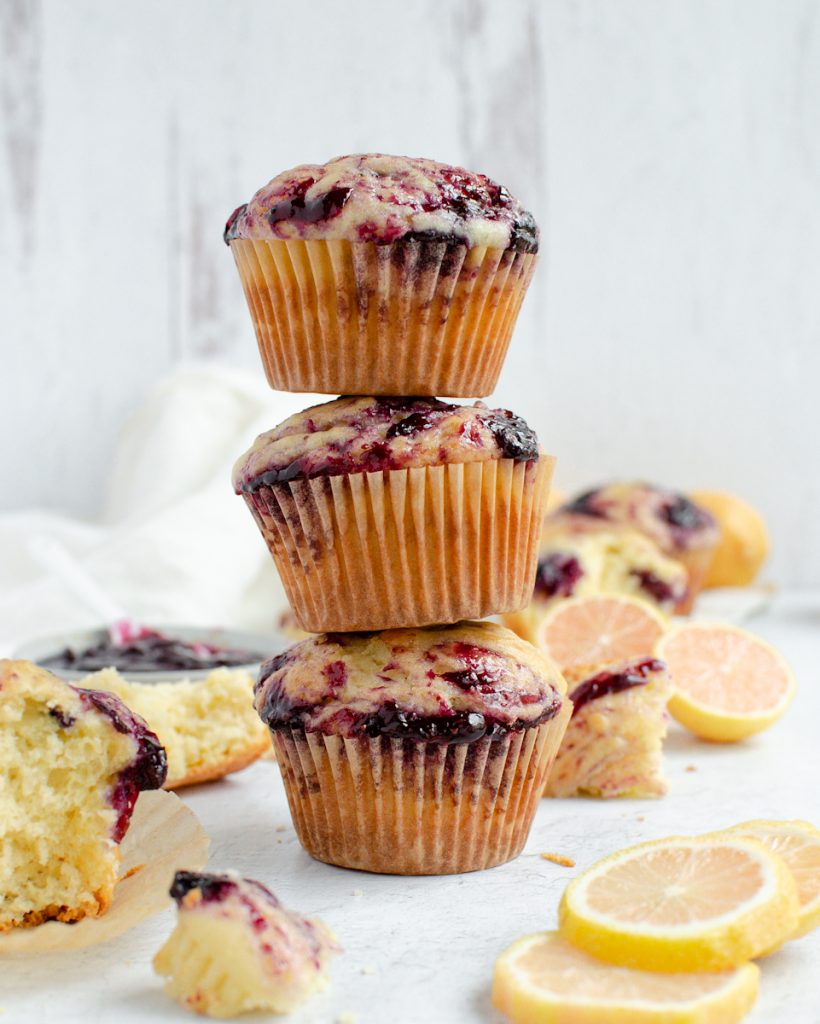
670,150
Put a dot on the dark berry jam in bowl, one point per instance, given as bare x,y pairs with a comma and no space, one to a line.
149,654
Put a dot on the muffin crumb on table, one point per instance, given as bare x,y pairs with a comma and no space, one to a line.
559,859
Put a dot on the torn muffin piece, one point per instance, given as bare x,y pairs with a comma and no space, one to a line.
236,949
613,743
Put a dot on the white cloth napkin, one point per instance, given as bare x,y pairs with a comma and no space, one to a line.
174,544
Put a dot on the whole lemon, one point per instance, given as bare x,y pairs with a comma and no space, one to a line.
744,541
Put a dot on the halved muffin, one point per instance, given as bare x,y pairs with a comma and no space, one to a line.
73,762
208,726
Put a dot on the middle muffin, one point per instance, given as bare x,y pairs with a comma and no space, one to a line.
390,512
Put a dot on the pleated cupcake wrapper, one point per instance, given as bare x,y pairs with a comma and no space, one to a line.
406,547
410,318
406,807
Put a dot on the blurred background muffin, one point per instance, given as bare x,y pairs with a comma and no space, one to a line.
680,527
577,563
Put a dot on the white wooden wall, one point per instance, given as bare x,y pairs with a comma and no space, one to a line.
669,148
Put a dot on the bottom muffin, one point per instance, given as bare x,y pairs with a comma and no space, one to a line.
414,751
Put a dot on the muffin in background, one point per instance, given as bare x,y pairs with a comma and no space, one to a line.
383,274
235,948
414,751
681,529
577,563
613,743
744,539
208,726
72,764
389,512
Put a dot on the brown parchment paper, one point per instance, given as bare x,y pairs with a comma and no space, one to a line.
165,835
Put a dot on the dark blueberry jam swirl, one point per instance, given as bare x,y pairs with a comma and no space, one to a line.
661,591
457,727
684,514
213,888
148,650
516,439
218,888
304,211
606,682
557,576
231,228
150,766
63,717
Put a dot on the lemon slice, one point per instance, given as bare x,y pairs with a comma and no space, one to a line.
599,629
798,843
703,903
729,684
542,979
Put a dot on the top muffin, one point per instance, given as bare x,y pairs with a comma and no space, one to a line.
366,434
373,197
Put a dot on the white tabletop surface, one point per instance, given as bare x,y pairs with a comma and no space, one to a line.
421,950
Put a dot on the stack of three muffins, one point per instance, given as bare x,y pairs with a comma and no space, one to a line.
406,745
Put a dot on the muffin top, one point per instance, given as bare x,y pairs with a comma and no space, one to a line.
448,684
367,435
372,197
671,519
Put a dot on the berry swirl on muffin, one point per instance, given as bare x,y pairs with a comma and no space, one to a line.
672,520
365,435
451,684
373,197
